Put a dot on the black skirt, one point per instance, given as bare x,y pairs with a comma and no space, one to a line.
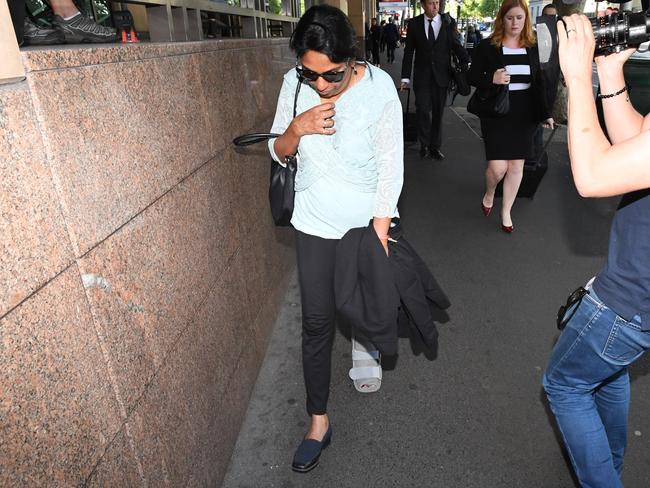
511,137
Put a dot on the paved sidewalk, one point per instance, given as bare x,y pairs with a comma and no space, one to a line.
475,415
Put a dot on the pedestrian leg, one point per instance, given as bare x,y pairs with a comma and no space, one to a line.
511,184
438,97
423,114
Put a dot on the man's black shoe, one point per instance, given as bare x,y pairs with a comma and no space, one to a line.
436,154
35,35
424,152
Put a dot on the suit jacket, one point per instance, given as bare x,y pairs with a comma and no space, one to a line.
432,64
487,58
391,34
369,287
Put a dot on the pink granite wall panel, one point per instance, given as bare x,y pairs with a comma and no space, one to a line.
171,423
160,268
58,411
34,245
118,467
141,272
119,136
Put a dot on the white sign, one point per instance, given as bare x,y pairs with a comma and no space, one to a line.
393,4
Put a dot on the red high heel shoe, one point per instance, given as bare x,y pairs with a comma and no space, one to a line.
486,210
508,229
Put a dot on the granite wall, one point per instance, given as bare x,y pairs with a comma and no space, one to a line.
140,272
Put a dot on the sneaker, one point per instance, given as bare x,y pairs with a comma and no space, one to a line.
81,29
35,35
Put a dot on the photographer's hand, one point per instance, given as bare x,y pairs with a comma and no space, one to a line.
576,48
599,169
613,63
621,119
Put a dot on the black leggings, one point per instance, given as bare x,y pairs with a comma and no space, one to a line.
316,258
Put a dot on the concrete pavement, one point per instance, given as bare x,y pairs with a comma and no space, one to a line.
474,415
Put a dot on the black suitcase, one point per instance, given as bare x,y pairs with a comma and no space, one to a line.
535,167
410,126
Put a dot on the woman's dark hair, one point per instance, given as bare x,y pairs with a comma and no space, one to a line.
327,30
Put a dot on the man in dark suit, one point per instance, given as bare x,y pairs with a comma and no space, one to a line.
432,36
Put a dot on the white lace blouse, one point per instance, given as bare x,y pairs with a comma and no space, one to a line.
345,179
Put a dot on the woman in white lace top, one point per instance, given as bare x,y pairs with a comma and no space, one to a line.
347,138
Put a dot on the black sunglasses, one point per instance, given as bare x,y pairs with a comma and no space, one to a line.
562,318
330,76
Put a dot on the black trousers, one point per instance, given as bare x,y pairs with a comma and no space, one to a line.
429,107
316,258
375,54
390,46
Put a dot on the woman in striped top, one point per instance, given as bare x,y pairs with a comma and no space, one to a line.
509,58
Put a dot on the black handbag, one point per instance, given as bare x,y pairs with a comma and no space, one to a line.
496,103
282,181
458,85
460,79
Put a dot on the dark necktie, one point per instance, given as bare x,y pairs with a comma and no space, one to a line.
432,36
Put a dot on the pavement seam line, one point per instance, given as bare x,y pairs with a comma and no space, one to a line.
465,122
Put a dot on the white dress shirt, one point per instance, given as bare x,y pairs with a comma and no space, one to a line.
436,24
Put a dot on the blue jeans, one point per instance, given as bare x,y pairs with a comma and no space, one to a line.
588,387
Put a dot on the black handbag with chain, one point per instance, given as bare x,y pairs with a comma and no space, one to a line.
282,182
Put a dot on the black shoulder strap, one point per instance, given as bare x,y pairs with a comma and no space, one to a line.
295,97
255,137
450,41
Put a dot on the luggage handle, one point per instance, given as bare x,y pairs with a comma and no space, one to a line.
550,138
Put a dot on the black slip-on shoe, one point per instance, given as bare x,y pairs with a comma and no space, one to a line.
308,453
80,29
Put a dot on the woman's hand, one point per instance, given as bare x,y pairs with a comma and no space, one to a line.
316,120
382,226
501,77
576,47
548,123
612,64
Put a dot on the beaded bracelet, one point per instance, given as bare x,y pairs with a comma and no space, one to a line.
610,95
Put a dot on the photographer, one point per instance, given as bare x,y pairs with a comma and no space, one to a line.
608,328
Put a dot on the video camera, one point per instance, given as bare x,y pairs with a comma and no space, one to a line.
613,33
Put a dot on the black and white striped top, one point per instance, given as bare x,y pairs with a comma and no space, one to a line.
516,61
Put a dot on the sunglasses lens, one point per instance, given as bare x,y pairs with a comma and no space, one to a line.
308,74
333,76
330,76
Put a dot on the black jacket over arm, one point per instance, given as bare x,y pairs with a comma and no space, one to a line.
428,58
369,287
487,59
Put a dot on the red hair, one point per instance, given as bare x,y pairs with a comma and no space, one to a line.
526,38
